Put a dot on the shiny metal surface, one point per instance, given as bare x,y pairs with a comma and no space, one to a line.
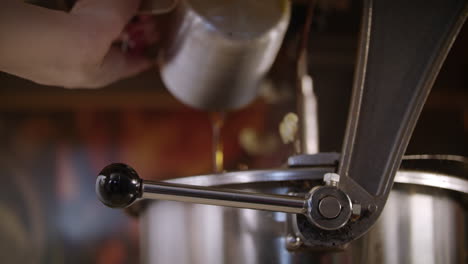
326,207
219,51
388,97
402,48
420,224
439,179
315,218
323,159
306,99
329,207
224,197
367,174
442,181
254,176
309,117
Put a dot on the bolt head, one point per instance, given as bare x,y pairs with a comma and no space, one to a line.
331,179
372,208
329,207
293,242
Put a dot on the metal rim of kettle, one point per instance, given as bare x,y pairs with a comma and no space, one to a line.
443,179
437,179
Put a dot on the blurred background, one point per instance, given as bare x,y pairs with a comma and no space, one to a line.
54,141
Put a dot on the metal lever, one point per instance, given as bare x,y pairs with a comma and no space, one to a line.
118,186
327,207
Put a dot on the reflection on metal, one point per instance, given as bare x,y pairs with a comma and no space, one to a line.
118,186
442,181
309,117
400,56
412,215
398,61
322,159
418,225
306,100
444,157
249,176
437,178
331,179
216,54
329,207
223,197
321,215
317,207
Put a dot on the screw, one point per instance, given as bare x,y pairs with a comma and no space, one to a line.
329,207
372,208
293,242
331,179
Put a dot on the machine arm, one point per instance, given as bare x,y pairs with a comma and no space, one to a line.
402,48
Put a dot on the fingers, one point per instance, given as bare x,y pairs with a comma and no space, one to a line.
111,15
115,66
104,22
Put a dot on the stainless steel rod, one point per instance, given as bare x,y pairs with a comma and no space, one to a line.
223,197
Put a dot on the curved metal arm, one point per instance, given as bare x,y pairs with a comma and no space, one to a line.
403,46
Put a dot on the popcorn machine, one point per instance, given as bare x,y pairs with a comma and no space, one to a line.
367,204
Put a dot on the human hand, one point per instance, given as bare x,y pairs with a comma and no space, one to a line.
73,50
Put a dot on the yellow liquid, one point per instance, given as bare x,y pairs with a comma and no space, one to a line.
217,122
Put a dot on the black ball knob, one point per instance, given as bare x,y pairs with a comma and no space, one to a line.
118,185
